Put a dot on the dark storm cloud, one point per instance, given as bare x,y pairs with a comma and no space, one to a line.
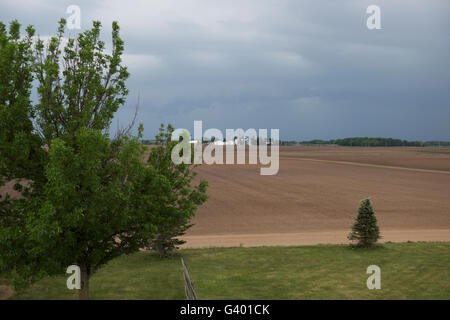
310,68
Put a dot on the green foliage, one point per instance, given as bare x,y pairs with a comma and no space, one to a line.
367,142
371,142
85,198
21,154
437,144
365,229
22,158
75,181
86,215
87,91
179,201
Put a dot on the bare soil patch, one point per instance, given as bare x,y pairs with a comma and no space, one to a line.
317,190
434,158
308,238
323,196
5,292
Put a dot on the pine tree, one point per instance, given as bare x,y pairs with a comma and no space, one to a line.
365,229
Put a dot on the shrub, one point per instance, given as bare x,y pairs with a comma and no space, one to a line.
365,229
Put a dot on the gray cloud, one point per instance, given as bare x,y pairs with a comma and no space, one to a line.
310,68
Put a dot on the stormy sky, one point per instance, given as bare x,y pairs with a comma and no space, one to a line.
309,68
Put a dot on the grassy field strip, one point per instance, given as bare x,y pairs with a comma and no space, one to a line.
361,164
308,238
408,271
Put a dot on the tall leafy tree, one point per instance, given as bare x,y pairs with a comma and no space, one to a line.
86,198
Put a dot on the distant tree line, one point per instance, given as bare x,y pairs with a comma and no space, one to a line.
376,142
352,142
437,143
288,143
148,142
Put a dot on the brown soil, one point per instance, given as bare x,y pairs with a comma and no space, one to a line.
433,158
308,238
409,188
5,292
315,195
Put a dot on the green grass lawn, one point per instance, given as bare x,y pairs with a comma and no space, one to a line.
408,271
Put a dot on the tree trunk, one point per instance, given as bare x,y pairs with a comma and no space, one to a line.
84,291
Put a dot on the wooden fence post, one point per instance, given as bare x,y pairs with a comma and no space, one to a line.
189,287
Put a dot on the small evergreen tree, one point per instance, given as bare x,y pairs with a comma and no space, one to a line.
365,229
